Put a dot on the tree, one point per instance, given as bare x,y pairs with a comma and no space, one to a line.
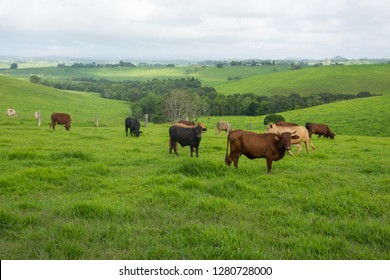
14,66
363,94
35,79
179,104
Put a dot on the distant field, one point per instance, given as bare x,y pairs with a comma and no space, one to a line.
332,79
264,80
92,193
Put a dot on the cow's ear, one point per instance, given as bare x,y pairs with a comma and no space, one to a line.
295,137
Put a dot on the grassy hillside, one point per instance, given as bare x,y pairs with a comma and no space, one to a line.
208,75
92,193
332,79
26,98
266,80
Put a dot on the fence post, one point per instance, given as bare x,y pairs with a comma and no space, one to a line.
146,118
39,118
97,119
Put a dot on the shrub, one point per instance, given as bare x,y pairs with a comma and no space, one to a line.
273,118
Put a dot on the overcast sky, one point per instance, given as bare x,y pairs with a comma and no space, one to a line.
195,29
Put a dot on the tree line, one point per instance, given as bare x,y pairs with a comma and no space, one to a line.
190,98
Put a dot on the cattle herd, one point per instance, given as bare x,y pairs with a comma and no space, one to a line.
271,145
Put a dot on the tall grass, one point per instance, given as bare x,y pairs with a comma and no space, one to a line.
127,198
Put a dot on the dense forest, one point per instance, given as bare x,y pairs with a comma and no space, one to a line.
190,99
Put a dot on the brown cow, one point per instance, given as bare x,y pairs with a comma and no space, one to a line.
286,124
186,122
270,146
60,118
320,130
223,126
204,129
301,131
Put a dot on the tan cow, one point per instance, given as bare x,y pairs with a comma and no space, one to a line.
301,131
223,126
11,112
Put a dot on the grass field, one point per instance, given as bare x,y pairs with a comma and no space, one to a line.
265,80
92,193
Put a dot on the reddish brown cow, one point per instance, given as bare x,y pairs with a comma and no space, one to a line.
286,124
186,122
320,130
271,146
60,118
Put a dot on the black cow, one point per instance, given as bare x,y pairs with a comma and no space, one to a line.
185,137
134,126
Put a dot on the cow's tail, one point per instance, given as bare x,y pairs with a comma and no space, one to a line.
227,158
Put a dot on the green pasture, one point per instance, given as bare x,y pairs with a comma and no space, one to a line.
260,80
93,193
333,79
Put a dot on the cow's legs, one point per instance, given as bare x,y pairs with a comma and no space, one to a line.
53,125
307,149
235,159
269,164
173,145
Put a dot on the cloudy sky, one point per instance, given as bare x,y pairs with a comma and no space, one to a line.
195,29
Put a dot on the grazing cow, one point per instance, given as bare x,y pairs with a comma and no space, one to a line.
134,126
286,124
301,131
270,146
185,136
11,112
223,126
60,118
320,130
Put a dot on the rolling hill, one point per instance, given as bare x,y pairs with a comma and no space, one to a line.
333,79
26,98
364,116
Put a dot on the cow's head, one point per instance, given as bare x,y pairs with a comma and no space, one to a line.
199,131
204,129
287,136
137,133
